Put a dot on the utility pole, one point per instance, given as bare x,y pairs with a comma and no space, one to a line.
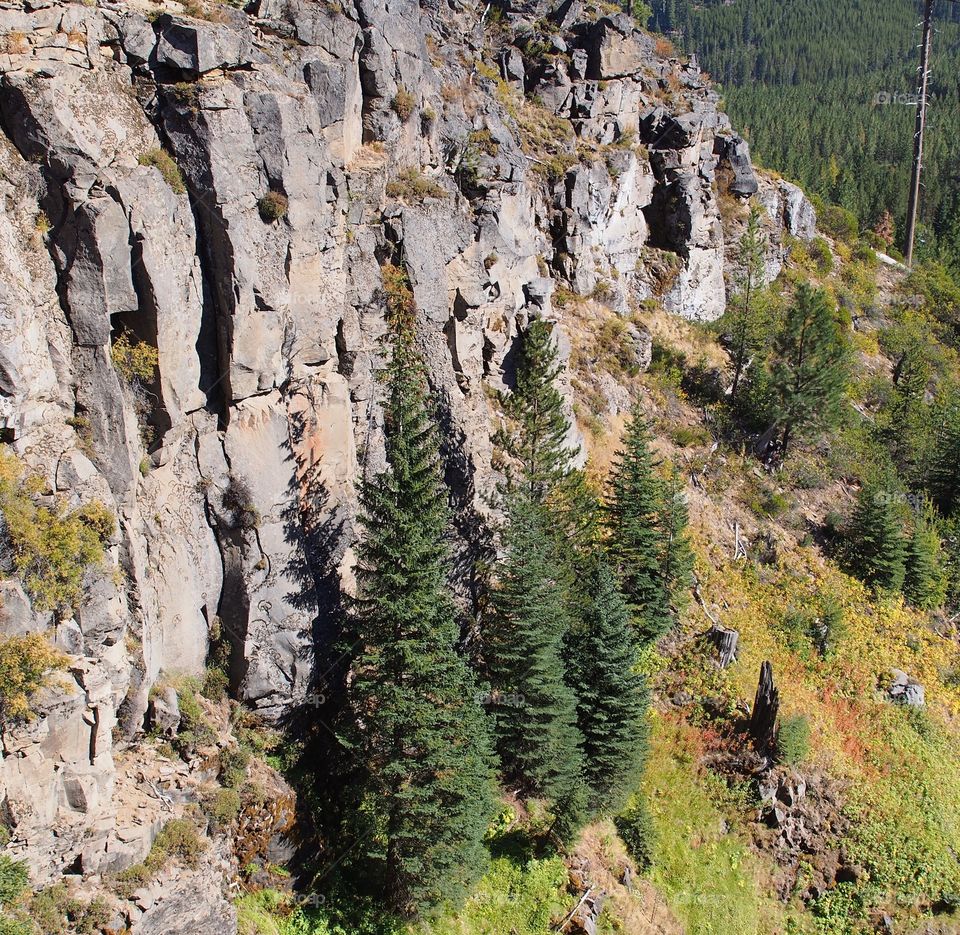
918,132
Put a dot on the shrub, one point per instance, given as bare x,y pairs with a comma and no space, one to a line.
412,185
14,879
273,206
223,806
636,830
821,255
793,739
135,361
24,661
216,684
404,103
10,926
162,160
194,729
233,767
838,222
238,501
52,547
178,839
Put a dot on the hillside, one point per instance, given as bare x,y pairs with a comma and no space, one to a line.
822,90
422,429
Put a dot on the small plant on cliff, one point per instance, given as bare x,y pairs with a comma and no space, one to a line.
793,739
273,206
52,547
24,663
413,186
404,103
135,361
162,160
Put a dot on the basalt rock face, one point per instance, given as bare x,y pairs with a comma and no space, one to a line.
381,133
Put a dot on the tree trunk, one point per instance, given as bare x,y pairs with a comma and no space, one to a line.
726,641
766,705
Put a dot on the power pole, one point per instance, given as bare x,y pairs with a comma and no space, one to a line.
918,132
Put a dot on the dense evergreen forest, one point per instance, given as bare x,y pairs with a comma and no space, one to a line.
823,89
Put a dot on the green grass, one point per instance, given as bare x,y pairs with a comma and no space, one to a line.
705,872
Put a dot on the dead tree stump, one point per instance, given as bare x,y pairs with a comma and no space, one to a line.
726,641
766,705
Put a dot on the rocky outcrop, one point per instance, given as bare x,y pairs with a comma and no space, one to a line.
223,192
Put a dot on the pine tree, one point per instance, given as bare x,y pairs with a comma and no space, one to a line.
746,313
811,368
420,731
676,560
634,512
906,416
925,584
944,480
537,437
877,551
612,698
533,708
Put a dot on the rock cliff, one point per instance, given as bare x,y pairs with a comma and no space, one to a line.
222,187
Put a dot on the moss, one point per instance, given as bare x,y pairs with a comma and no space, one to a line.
162,160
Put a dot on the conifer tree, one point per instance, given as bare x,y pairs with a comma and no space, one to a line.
634,513
906,416
676,560
419,729
944,480
612,698
925,584
746,314
534,712
811,368
877,551
538,436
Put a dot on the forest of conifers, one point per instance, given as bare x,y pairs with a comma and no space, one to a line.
823,89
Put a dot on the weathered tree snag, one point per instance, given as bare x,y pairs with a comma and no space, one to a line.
725,641
766,705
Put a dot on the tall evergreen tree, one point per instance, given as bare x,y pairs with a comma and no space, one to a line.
811,368
925,584
906,418
746,315
877,551
612,698
537,436
634,512
944,482
676,552
534,710
420,732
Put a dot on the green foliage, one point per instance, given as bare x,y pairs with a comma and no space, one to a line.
612,697
10,926
944,480
676,549
135,361
53,547
177,840
14,879
811,366
273,206
746,319
56,912
24,664
417,726
533,709
162,160
634,512
875,545
536,433
222,806
233,766
793,739
838,222
194,729
635,826
925,583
